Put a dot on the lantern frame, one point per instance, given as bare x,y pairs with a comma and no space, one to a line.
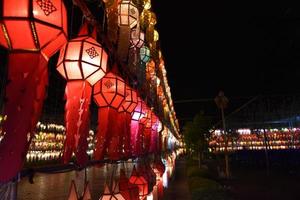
137,38
128,14
32,23
131,100
108,98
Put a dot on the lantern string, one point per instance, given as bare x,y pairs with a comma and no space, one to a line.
72,21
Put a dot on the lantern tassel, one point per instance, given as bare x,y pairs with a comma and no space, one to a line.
78,95
25,93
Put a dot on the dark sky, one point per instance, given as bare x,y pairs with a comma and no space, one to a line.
242,47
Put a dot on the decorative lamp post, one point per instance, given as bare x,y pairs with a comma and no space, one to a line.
82,62
32,31
221,102
109,94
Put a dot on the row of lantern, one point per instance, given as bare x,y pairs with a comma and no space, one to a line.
33,31
254,141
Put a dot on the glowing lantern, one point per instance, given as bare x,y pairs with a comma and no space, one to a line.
128,15
109,94
39,25
140,181
82,62
137,38
145,54
128,106
83,58
32,31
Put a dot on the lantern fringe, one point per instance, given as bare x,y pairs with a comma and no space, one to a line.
25,93
78,95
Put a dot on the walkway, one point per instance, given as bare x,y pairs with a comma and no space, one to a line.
178,187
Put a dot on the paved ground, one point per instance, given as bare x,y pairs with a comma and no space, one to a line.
178,186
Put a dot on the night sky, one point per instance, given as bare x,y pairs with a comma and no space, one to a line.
244,48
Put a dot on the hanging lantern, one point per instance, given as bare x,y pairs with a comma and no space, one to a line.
29,25
109,94
83,58
82,62
32,31
128,16
137,39
140,181
145,54
128,106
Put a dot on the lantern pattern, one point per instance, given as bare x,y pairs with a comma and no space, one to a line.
128,14
32,33
137,39
128,190
137,179
29,25
128,106
109,94
82,62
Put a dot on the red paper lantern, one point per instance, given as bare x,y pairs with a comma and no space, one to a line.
32,31
139,180
128,106
83,58
33,25
109,94
82,62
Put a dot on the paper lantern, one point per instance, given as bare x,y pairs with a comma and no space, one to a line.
128,106
109,94
83,58
110,91
140,181
32,31
33,25
145,54
128,14
137,39
82,62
